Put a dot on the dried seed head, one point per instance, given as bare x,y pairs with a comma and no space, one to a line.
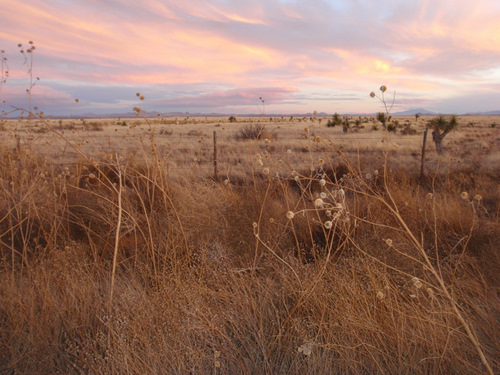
383,88
464,195
290,215
319,203
372,94
328,224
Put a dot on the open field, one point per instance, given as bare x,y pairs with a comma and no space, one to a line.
188,143
315,251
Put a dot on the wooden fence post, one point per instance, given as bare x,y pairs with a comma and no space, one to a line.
422,162
216,177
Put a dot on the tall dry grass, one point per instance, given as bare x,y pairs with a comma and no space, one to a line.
111,265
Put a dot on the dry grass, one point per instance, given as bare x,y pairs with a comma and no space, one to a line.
120,264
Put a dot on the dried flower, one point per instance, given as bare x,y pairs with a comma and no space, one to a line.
290,215
368,176
380,295
464,195
322,195
477,197
383,88
305,349
372,94
388,242
417,283
319,203
328,224
265,170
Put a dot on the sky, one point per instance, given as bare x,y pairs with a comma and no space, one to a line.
221,56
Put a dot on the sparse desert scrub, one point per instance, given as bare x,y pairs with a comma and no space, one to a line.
366,271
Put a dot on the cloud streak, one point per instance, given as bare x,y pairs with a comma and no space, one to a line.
202,54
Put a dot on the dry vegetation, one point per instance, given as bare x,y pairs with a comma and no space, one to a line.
318,251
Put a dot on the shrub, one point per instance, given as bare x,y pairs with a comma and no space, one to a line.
253,131
334,121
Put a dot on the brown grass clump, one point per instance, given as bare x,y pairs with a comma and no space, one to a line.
112,265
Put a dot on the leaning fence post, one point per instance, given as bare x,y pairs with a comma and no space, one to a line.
216,177
423,154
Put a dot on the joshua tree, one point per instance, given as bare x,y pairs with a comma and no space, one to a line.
440,127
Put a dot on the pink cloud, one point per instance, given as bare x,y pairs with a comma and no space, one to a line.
428,49
236,97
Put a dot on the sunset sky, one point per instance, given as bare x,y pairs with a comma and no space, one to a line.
222,55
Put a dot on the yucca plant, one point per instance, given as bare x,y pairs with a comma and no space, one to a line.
334,121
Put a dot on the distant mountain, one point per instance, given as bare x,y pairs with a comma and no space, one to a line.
180,115
415,111
489,113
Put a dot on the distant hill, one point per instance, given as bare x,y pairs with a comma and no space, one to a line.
155,114
489,113
415,111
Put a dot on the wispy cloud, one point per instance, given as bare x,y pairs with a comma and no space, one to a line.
437,50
